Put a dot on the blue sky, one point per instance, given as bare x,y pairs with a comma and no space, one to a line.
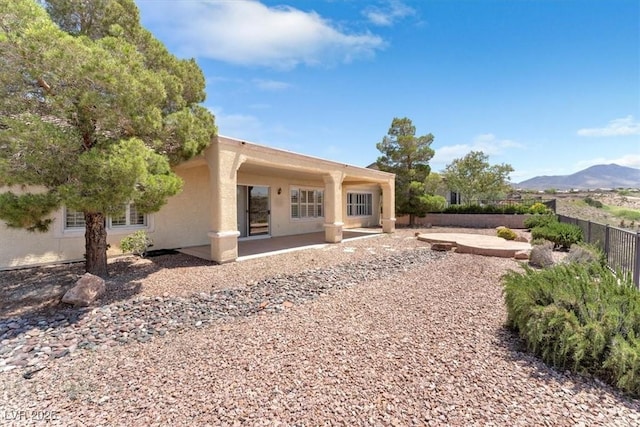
550,87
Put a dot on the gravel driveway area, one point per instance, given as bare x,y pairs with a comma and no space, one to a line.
379,331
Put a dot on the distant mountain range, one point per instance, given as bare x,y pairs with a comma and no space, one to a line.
599,176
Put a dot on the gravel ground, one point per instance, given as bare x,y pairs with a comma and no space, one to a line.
381,332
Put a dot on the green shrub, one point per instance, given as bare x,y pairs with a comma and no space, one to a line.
581,317
136,243
433,203
586,253
487,209
592,202
539,208
541,255
539,220
563,235
507,233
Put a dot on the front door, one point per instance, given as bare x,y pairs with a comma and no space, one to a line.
253,211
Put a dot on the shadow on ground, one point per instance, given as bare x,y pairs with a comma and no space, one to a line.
540,371
37,291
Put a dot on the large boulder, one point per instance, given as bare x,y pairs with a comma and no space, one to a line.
86,290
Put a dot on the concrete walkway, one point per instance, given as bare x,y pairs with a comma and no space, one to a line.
254,248
477,244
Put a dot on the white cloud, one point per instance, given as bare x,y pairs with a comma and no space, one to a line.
487,143
630,160
386,16
243,126
270,85
247,32
617,127
251,128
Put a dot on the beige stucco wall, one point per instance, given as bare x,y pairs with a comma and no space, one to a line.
362,221
280,220
19,248
184,220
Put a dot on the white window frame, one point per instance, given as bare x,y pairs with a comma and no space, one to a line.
129,210
303,204
359,204
64,230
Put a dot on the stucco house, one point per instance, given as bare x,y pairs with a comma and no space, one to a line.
234,190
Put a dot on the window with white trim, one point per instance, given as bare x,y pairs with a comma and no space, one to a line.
359,204
307,203
128,217
73,219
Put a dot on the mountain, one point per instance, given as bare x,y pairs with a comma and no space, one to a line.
599,176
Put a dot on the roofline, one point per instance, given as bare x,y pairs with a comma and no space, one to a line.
293,154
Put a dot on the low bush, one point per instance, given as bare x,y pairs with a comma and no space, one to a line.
539,220
585,253
541,254
539,208
563,235
136,243
594,203
507,233
580,317
487,209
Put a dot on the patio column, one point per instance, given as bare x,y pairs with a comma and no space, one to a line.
389,206
333,207
223,167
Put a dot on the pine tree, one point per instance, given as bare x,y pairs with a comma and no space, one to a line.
93,112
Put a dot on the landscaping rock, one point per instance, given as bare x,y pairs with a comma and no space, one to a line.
441,247
86,290
521,255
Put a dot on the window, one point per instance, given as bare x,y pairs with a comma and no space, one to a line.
307,203
359,204
128,217
73,219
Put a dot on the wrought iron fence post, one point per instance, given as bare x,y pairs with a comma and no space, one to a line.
606,241
636,265
589,231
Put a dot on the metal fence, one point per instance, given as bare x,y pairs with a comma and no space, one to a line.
621,247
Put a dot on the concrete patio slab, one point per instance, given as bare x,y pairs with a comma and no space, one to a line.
254,248
477,244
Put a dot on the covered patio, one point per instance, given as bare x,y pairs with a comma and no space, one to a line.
255,248
255,191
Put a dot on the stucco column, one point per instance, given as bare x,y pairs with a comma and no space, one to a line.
389,206
223,167
333,207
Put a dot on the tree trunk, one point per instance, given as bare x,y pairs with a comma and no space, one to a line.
412,220
95,244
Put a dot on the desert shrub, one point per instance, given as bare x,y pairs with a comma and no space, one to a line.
136,243
487,209
592,202
580,317
507,233
563,235
541,255
540,242
585,253
434,203
539,208
539,220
